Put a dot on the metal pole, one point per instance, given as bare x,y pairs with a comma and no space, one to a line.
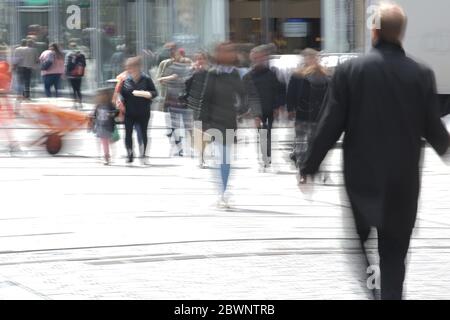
265,21
95,41
142,29
54,21
14,22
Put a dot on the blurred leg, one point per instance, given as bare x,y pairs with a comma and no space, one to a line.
225,167
393,248
105,145
27,82
56,81
129,124
47,85
142,123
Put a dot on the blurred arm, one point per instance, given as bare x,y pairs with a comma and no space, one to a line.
331,124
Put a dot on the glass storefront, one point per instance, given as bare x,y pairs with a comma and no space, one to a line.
109,31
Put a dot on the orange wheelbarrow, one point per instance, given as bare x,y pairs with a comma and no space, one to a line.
55,122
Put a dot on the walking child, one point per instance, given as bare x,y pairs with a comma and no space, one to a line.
104,122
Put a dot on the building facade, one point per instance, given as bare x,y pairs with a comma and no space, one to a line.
107,30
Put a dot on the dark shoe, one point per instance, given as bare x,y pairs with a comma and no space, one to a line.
293,157
130,157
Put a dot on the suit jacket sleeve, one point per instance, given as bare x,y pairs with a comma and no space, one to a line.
252,96
281,92
239,87
207,97
331,124
291,95
434,132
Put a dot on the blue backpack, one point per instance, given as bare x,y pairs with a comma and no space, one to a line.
48,62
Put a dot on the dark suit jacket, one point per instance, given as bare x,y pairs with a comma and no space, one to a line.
224,99
385,103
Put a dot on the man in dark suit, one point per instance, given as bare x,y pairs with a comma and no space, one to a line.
385,103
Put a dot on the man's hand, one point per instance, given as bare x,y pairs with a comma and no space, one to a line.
303,179
305,187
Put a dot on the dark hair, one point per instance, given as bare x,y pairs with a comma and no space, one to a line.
54,46
226,46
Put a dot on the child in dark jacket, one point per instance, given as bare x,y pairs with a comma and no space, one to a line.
104,121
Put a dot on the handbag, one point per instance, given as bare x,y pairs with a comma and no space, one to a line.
78,71
115,135
48,62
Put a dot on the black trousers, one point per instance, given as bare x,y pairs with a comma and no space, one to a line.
393,246
266,144
76,88
140,121
25,80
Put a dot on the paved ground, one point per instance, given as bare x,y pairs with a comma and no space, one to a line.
71,228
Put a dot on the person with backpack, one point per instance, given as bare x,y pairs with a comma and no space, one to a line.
52,68
104,124
75,68
306,93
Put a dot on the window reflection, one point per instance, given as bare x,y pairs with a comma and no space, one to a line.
111,30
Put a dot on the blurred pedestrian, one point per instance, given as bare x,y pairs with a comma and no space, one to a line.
136,94
75,69
25,59
104,122
169,53
306,92
194,91
385,103
6,108
118,59
52,68
174,77
223,101
266,95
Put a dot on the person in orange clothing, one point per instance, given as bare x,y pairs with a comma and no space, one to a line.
6,109
5,77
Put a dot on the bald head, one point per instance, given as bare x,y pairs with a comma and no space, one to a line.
391,24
